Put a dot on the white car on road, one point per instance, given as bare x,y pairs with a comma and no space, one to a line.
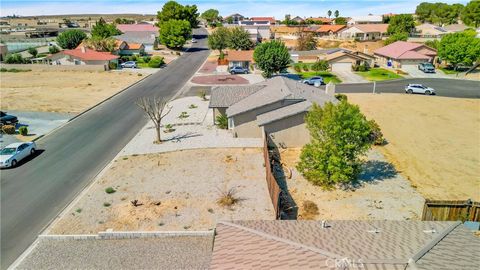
418,88
11,154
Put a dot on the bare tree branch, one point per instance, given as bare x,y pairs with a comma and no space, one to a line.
154,108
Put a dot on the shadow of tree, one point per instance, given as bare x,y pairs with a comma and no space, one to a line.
179,137
374,171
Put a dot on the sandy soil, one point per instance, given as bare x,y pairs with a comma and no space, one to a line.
433,141
381,193
176,190
60,91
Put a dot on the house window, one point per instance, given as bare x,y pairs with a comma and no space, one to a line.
231,124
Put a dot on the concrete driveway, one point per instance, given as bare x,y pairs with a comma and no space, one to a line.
414,72
348,76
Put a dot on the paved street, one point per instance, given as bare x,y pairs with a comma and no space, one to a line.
36,191
348,76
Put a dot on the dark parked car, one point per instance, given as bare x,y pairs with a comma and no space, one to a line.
238,70
426,67
7,119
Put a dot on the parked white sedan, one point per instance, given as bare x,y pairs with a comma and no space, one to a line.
418,88
11,154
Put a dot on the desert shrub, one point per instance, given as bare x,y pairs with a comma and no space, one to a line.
320,65
23,131
309,210
202,94
14,70
8,129
192,106
183,115
222,121
33,51
228,198
341,97
53,49
169,128
297,68
112,65
376,135
106,204
146,59
15,58
156,62
305,67
110,190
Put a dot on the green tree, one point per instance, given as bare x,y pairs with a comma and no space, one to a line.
340,135
306,41
70,39
424,11
239,39
101,44
104,30
396,37
462,47
271,57
329,13
402,23
53,49
439,13
15,58
320,65
433,43
336,13
174,11
210,15
340,21
471,14
219,39
33,51
174,33
229,20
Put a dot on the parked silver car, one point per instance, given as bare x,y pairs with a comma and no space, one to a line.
129,64
413,88
426,67
238,70
313,80
11,154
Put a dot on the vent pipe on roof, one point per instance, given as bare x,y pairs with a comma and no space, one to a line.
324,224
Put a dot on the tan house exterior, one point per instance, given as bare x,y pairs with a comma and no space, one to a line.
402,53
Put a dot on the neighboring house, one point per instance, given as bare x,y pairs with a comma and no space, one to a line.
344,60
147,38
235,18
125,48
142,27
298,19
321,20
240,58
276,107
258,33
283,32
365,32
428,30
312,56
369,19
329,30
454,28
82,56
270,20
402,53
344,244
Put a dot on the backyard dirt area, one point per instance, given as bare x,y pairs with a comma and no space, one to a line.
380,194
433,141
174,191
60,91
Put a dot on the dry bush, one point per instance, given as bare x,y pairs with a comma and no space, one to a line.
309,210
228,198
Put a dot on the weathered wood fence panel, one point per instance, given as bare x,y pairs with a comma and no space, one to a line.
451,210
273,188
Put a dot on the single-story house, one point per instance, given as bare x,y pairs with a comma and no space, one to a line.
140,27
258,33
365,31
344,60
82,56
276,107
327,30
240,58
428,30
369,19
454,28
147,38
404,53
344,244
313,55
298,19
125,48
270,20
235,18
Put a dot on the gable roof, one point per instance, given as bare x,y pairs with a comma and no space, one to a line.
372,27
399,49
146,37
334,28
225,96
137,28
376,244
342,54
283,112
233,55
86,54
270,19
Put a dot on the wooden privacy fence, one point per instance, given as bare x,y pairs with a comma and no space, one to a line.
451,210
273,188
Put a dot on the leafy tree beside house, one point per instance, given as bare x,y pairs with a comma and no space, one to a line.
70,39
306,41
271,57
239,39
460,48
396,37
175,11
402,23
219,40
210,15
104,30
175,33
340,21
340,136
471,14
33,51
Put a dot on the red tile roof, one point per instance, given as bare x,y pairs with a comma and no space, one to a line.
240,55
372,27
270,19
137,28
403,50
90,55
330,28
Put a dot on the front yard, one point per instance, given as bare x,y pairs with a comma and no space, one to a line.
378,74
327,76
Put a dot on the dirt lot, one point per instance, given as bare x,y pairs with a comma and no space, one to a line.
381,193
433,141
176,191
60,91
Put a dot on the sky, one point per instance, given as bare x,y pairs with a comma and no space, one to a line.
248,8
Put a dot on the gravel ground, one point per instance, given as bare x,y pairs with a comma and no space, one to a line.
383,193
187,252
176,191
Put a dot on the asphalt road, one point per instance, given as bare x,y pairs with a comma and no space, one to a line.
35,192
443,87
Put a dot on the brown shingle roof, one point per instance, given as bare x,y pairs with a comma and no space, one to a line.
334,28
240,55
372,28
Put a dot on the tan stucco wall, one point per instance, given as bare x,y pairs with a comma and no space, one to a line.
289,132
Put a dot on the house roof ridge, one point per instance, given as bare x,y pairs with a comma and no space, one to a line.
283,240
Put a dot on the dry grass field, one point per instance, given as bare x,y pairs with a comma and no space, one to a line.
60,91
433,141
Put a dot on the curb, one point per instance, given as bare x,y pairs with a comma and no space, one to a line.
93,107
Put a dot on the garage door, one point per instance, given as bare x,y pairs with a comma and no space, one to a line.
341,67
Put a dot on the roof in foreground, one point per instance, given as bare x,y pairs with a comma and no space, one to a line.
368,244
225,96
168,252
